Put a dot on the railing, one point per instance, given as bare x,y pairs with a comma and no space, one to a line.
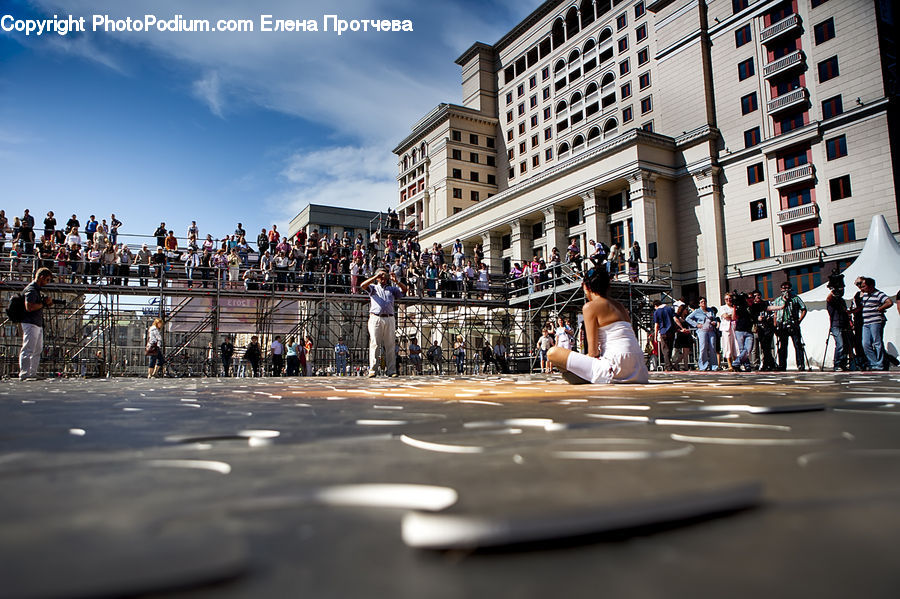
798,213
782,64
804,255
794,175
776,29
786,100
569,274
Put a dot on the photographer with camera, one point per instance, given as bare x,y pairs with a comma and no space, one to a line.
839,317
791,312
33,324
764,330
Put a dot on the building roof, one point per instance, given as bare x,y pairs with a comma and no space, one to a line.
438,115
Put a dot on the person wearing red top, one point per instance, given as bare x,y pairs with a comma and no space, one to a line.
274,235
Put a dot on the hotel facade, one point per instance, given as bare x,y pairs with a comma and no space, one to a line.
744,143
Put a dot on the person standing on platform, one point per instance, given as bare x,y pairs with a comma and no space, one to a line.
33,324
543,346
382,326
500,357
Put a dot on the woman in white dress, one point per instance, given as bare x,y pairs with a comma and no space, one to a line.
728,342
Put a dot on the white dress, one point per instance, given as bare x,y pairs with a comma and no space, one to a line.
729,343
621,359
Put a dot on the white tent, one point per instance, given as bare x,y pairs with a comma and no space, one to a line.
880,260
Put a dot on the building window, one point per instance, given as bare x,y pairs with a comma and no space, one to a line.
745,69
765,286
648,126
534,141
641,32
509,135
548,133
623,44
824,31
456,135
751,137
520,91
761,249
755,173
844,232
473,157
794,159
791,122
511,153
626,91
532,102
742,35
758,210
617,234
509,117
489,141
457,173
816,3
646,104
840,188
456,154
523,167
797,197
627,114
474,196
828,69
548,154
457,193
547,113
836,147
739,5
832,107
805,278
621,22
638,10
512,173
534,121
473,176
521,109
545,73
535,160
803,239
492,180
643,56
532,82
457,210
749,103
509,97
644,80
521,128
522,147
624,67
546,93
490,161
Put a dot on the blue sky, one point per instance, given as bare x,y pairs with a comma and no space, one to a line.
223,127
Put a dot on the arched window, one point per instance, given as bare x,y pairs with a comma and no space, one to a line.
561,106
576,97
603,7
593,133
610,125
574,55
591,88
588,46
563,148
558,32
577,142
423,150
559,66
414,155
405,162
604,35
608,79
572,22
587,13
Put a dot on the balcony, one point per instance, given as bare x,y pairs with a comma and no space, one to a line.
797,214
788,100
803,256
784,64
775,30
798,174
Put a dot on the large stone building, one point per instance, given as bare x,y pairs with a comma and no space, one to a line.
744,142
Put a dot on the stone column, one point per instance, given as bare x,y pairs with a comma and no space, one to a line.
642,192
556,230
493,253
596,216
521,242
712,250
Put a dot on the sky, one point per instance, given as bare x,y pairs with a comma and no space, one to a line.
223,127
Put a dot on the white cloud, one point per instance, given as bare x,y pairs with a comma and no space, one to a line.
209,90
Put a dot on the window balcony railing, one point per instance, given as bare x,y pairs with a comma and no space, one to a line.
797,214
776,29
785,63
798,174
788,100
800,256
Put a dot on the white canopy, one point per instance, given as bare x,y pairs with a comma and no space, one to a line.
880,260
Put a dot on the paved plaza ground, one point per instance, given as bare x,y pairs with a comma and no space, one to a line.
697,485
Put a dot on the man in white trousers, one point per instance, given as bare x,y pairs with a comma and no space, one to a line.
33,325
382,325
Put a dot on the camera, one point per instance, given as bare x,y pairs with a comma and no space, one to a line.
59,302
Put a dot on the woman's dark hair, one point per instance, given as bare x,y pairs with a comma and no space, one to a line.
597,279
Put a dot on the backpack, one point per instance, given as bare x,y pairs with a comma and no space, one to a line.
16,308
